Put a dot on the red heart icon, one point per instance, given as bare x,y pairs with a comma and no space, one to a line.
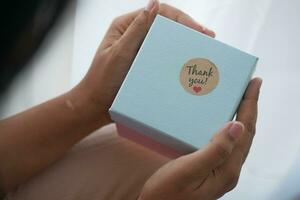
197,89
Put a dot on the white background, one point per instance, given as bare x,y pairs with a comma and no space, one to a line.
268,29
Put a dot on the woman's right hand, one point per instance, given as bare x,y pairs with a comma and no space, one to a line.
214,170
117,52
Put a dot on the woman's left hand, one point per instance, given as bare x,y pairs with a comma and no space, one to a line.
118,50
214,170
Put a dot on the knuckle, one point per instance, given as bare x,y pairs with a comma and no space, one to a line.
116,20
164,5
166,8
221,150
115,50
250,127
232,184
118,53
179,15
141,20
231,180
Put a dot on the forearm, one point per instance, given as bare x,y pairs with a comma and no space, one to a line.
34,139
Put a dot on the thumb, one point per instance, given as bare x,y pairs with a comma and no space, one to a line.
137,30
217,151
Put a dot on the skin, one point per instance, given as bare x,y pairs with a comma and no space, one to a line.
34,139
211,172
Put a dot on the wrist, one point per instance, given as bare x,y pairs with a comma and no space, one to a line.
88,104
81,101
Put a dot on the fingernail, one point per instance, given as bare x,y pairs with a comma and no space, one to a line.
213,34
208,31
236,130
150,5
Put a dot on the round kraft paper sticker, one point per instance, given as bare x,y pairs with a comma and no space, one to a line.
199,76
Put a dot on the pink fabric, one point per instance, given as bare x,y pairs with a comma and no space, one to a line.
146,141
103,166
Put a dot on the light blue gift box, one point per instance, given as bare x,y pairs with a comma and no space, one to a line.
152,104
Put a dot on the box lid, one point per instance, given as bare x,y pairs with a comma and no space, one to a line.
154,99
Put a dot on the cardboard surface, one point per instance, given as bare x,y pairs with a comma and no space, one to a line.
152,100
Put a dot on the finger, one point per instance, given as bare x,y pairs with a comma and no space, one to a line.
247,114
120,24
181,17
204,161
137,30
118,27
